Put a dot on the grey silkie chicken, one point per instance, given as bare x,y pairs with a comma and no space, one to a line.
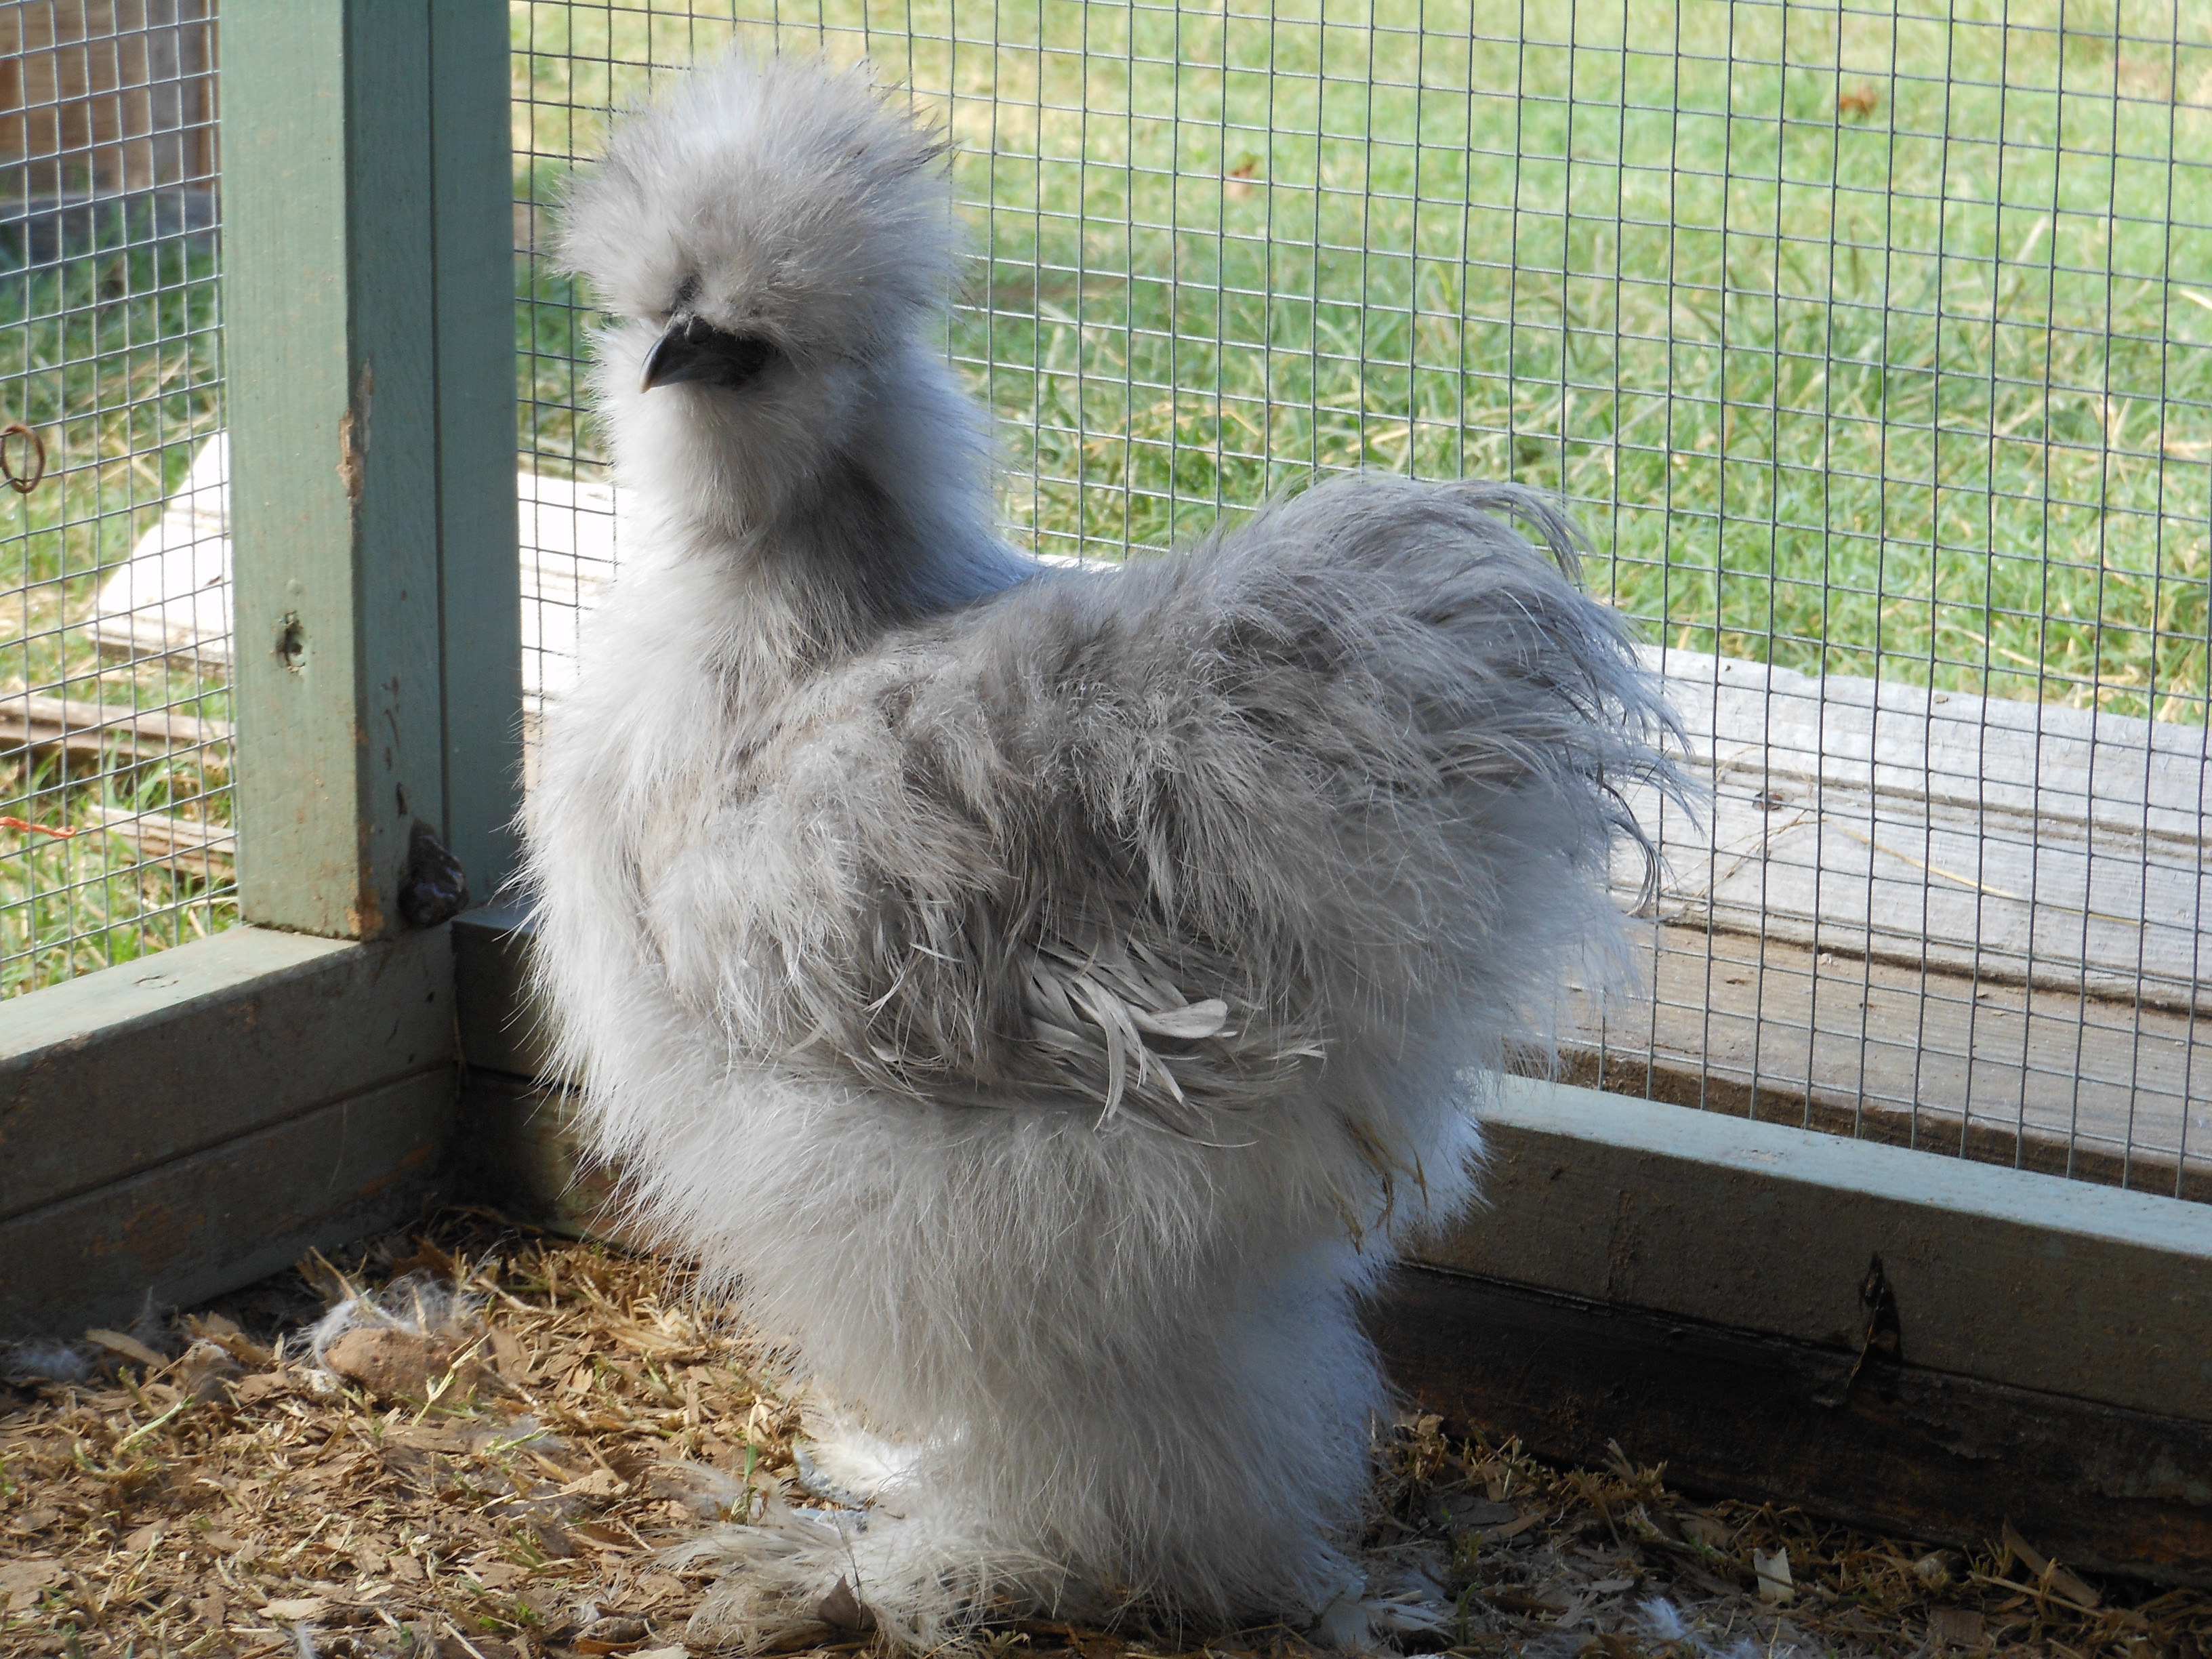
1046,997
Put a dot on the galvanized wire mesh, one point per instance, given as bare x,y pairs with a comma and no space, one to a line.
1873,343
114,634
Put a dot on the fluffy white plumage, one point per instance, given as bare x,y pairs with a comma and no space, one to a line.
1043,996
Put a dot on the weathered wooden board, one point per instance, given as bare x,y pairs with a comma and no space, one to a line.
105,98
377,656
137,1066
2018,841
192,846
96,730
517,1148
2025,1279
501,1030
1929,1456
2049,1079
227,1215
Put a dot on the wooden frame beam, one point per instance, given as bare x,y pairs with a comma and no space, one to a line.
370,285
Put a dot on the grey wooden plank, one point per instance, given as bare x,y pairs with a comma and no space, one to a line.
227,1215
1906,1450
2027,841
501,1030
518,1148
140,1063
2022,1072
94,730
2020,1278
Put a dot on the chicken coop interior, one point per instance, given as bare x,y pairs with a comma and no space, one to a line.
1869,344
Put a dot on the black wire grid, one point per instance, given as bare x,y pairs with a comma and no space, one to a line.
115,751
1864,338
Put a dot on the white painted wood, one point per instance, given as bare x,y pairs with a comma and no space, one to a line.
173,596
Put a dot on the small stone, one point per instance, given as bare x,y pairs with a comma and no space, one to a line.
392,1365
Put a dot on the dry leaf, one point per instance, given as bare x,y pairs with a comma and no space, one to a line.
32,1573
1955,1627
303,1610
599,1483
252,1390
1775,1584
2049,1571
124,1347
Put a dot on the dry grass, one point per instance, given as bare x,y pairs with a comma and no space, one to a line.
213,1500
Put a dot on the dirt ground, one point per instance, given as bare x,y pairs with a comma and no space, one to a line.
516,1427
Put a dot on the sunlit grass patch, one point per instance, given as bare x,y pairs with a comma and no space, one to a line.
1864,341
113,360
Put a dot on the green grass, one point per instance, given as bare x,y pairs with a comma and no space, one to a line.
1867,342
114,359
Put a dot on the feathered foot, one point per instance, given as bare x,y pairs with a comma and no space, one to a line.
784,1584
800,1577
843,1463
1375,1611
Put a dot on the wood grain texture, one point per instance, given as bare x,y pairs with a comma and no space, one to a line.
2009,1071
376,611
1915,1453
2024,841
167,1056
2017,1278
227,1215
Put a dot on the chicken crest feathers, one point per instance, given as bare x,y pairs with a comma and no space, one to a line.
809,209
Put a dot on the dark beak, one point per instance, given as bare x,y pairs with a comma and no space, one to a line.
693,348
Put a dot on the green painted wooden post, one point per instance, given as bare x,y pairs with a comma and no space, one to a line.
368,261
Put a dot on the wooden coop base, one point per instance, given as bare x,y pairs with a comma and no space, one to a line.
1930,1345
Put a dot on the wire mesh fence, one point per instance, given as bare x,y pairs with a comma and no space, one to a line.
114,634
1872,343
